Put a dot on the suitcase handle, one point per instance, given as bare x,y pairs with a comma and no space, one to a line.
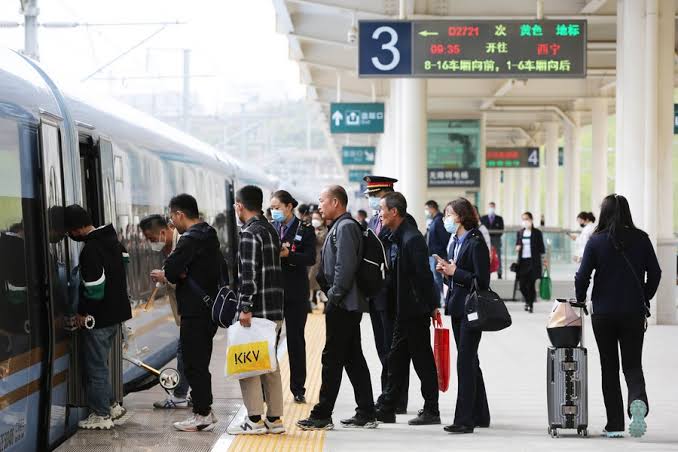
574,303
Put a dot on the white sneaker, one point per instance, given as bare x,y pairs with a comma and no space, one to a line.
117,411
197,423
172,403
248,428
96,422
275,427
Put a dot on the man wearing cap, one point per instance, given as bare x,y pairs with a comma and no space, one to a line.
382,306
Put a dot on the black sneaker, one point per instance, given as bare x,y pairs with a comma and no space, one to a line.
425,418
386,417
359,421
299,398
315,424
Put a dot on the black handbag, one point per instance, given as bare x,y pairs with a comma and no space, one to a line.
485,310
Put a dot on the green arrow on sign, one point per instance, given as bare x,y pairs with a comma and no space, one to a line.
426,33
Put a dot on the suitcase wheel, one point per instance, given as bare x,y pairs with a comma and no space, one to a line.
583,432
553,432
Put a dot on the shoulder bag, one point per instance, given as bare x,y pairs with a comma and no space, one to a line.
485,310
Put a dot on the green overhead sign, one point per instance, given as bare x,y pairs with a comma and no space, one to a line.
358,155
357,175
357,118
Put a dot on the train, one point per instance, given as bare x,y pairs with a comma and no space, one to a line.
61,146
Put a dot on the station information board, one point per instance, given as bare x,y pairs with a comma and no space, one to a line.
358,155
518,157
473,48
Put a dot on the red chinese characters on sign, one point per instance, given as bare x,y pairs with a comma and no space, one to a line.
442,49
503,155
548,49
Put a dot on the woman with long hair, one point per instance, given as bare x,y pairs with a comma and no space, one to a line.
626,278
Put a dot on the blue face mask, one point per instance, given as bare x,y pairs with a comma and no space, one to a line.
374,202
450,225
277,215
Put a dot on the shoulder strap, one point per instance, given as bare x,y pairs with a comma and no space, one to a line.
638,283
197,290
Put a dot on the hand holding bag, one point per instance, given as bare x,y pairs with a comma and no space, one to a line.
251,351
545,285
485,310
441,352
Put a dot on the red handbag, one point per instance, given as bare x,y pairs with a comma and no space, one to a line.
441,352
494,261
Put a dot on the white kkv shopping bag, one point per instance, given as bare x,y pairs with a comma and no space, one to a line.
251,351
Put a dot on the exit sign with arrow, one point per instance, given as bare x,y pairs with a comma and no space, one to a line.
357,118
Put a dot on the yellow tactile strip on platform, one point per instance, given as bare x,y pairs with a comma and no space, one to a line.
295,439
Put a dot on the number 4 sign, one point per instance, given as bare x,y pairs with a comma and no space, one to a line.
385,48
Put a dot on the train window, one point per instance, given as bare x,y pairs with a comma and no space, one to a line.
118,169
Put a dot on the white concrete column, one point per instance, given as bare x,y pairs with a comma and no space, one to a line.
485,185
511,217
551,209
599,153
522,185
534,204
651,127
413,149
573,171
568,157
397,123
665,301
630,177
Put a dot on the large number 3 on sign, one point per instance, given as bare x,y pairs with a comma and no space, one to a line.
390,46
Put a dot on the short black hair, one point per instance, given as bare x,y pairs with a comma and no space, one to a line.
588,216
251,197
153,222
187,204
76,217
528,215
395,200
432,204
304,209
362,212
338,192
285,197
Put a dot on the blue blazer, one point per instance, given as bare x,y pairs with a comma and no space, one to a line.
437,237
473,262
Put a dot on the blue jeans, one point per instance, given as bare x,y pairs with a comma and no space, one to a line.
437,280
96,347
181,391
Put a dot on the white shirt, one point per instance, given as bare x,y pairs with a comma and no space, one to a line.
580,243
527,239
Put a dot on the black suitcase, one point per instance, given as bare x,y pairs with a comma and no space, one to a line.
567,386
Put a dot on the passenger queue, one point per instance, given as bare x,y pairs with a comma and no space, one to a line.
274,260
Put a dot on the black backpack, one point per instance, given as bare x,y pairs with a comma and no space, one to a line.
371,273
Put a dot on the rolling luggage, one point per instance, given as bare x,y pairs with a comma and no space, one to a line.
567,384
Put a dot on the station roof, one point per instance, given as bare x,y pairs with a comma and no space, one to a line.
317,32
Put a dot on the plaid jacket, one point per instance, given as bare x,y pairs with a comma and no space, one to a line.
261,285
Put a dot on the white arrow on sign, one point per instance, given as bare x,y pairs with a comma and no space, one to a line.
337,117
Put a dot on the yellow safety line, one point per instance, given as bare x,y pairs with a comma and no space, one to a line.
295,439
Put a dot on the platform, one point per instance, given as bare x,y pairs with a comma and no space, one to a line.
513,365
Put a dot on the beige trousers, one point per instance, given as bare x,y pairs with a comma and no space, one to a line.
253,394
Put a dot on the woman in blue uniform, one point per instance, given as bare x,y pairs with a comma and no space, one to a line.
297,254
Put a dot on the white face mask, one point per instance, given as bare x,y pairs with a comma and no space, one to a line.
316,223
157,246
374,202
490,211
450,225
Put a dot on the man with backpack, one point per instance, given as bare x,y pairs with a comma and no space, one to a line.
196,266
341,257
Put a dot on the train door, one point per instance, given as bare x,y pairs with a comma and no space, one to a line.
55,390
231,251
98,195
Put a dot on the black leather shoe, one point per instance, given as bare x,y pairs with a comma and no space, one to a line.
483,425
299,398
386,417
359,421
425,418
401,410
458,429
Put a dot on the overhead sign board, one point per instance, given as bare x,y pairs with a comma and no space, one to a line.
473,48
357,118
453,153
357,175
519,157
358,155
440,177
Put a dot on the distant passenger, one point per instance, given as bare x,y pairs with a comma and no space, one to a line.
343,349
483,230
587,222
495,225
196,267
361,218
318,224
103,296
297,254
261,296
468,261
436,239
626,278
164,239
531,250
416,302
304,211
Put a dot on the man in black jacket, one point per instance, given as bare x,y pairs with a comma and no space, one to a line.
495,224
103,298
437,239
195,266
416,304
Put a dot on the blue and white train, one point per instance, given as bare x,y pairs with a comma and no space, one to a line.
59,148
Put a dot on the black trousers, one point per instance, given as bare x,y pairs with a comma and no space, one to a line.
296,313
472,408
411,340
527,281
343,351
196,335
382,327
623,332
